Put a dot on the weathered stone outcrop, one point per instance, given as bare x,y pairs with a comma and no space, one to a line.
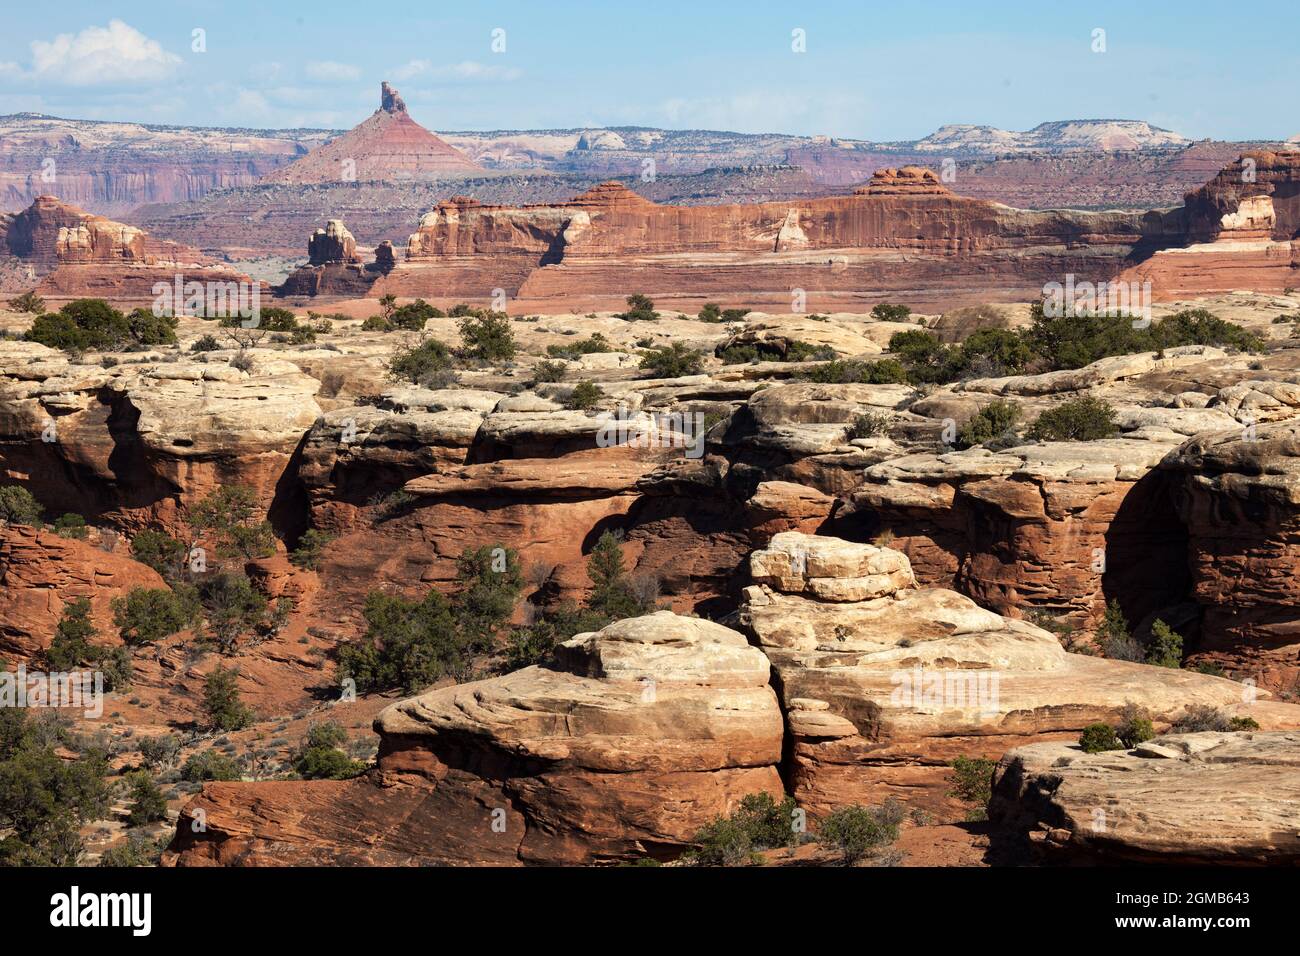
639,735
1238,494
334,267
41,572
135,444
1058,804
884,683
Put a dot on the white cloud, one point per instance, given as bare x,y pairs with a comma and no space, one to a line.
467,71
330,72
116,55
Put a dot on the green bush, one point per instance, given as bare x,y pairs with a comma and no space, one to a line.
1166,646
45,798
71,526
377,323
209,765
1198,718
1134,727
17,506
148,805
70,647
489,338
545,371
593,345
205,343
889,312
321,758
585,395
992,421
413,316
759,823
160,751
1099,737
147,615
1202,327
160,551
672,361
428,363
28,302
711,312
310,547
412,644
843,372
1114,638
232,607
222,706
1079,419
856,831
972,780
86,324
232,514
639,309
136,850
869,425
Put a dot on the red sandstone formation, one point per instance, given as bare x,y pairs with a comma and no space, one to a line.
334,267
79,255
387,146
40,573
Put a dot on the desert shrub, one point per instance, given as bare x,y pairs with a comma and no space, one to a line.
972,780
310,546
1197,718
1134,726
856,831
1202,327
428,363
209,765
136,850
595,344
797,350
739,354
612,593
148,805
223,708
545,371
231,514
489,338
1079,419
736,315
710,312
28,302
1098,737
160,551
71,526
585,395
232,607
70,647
640,308
991,353
1165,649
147,615
672,361
992,421
890,312
840,372
377,323
17,506
869,425
321,756
1073,341
205,343
160,751
45,799
759,823
412,316
412,644
146,329
1114,638
916,346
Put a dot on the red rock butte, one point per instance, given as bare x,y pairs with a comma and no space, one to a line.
389,145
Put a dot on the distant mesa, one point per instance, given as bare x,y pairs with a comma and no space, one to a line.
388,146
1105,134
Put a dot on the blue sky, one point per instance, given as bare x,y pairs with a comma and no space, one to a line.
871,70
